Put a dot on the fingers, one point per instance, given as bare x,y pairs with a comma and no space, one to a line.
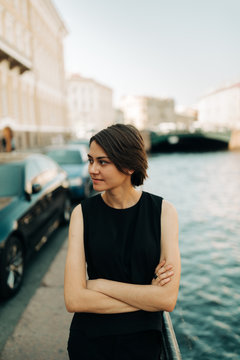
164,269
163,276
167,274
159,282
162,263
164,281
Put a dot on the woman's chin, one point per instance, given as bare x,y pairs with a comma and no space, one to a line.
98,187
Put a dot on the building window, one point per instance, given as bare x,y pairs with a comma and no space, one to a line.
16,4
24,107
1,19
31,109
24,8
9,27
27,43
15,104
4,101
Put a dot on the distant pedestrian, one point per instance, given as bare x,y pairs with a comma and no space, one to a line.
129,240
7,142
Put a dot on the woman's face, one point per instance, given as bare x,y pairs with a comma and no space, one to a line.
104,174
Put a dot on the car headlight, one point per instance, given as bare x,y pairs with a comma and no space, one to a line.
75,181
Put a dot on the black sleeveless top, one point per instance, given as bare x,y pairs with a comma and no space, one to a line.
121,245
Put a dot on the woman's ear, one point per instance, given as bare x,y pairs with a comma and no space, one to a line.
130,172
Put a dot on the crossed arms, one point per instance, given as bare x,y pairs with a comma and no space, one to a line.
108,297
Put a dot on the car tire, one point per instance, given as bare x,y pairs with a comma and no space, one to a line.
11,267
67,209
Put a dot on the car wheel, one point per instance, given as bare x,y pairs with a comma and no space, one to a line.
66,214
11,267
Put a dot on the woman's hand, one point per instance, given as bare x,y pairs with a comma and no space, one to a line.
163,274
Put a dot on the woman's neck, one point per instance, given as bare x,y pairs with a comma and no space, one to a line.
120,198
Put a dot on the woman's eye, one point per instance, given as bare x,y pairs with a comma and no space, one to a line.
102,162
90,161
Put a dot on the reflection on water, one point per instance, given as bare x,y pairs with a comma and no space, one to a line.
205,189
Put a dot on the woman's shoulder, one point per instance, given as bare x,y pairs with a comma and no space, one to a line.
168,209
151,195
90,200
91,204
152,202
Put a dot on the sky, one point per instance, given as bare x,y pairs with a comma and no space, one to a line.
180,49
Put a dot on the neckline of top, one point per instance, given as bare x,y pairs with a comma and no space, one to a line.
121,210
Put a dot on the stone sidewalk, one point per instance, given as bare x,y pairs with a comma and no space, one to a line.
42,331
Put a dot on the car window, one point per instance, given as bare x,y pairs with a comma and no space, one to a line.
11,180
45,163
66,156
40,170
84,153
32,169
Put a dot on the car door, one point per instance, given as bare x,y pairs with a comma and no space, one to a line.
55,186
30,223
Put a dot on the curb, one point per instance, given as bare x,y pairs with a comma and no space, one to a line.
42,331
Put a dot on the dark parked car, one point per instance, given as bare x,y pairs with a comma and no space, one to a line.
73,159
34,199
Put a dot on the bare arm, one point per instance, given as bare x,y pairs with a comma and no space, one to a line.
151,297
78,298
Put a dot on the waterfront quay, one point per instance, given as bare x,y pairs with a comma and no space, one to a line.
206,317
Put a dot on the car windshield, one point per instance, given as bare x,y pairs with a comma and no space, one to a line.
65,156
11,180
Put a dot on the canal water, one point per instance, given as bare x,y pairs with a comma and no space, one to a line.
205,189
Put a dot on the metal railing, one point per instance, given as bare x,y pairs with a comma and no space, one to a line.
171,349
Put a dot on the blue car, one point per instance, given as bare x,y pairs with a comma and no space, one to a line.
73,159
34,200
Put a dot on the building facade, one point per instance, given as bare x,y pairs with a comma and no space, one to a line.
186,119
32,78
147,112
89,105
118,116
221,108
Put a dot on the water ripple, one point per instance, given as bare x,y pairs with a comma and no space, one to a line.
205,190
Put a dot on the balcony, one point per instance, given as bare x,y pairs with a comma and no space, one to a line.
14,57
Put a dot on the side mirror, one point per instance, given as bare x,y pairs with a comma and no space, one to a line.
27,196
36,188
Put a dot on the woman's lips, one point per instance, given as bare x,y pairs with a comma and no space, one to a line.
96,181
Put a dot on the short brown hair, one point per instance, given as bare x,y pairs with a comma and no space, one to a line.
125,147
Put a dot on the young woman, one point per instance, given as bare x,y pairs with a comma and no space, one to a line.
129,240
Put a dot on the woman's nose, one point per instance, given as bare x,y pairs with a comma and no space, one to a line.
93,168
